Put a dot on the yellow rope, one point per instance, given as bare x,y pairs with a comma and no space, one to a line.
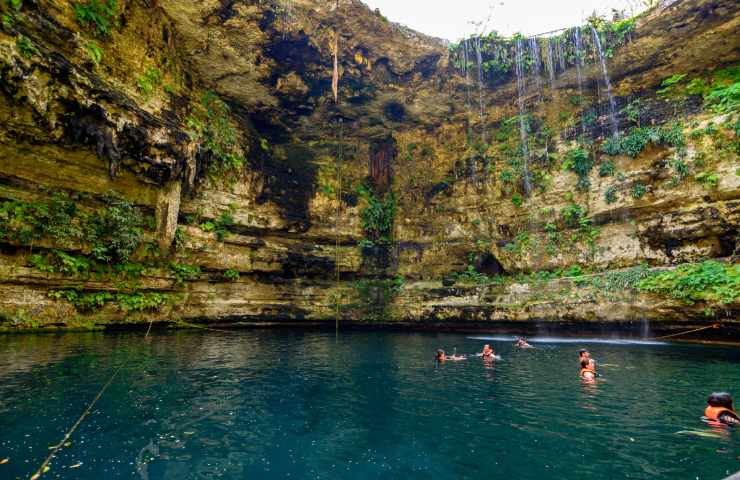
716,325
45,466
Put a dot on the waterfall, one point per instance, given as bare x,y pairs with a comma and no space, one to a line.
608,83
479,60
579,59
561,54
550,64
534,52
523,129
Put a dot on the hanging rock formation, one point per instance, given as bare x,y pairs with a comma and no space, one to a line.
179,162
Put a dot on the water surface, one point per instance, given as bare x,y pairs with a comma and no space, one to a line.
281,404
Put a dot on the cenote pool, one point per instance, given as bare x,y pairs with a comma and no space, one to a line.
280,404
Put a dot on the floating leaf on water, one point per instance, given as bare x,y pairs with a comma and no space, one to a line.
68,444
4,461
189,433
76,465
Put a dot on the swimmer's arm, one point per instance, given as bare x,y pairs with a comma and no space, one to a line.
729,419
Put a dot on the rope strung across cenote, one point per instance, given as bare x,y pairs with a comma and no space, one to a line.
45,466
716,325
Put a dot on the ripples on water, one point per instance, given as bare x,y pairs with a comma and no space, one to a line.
364,405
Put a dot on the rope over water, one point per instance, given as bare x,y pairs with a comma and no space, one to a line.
45,466
716,325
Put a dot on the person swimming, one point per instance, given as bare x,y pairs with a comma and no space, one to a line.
719,409
487,352
584,354
588,372
441,356
522,343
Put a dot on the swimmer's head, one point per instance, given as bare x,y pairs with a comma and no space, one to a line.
583,353
585,363
440,354
720,399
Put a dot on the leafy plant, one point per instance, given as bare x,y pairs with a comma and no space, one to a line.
231,275
709,180
377,215
94,52
183,272
680,171
709,281
115,231
220,226
610,194
725,99
667,86
638,191
210,124
638,138
26,46
607,168
100,14
149,81
579,161
517,200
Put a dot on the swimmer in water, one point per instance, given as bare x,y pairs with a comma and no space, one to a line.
441,356
585,355
487,352
522,343
719,409
587,373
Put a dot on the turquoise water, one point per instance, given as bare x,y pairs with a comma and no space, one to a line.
280,404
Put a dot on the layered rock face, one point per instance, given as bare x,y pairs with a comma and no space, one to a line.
186,162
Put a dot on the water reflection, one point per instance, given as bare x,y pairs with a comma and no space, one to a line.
364,405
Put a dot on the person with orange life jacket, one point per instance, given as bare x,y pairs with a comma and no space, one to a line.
588,372
719,409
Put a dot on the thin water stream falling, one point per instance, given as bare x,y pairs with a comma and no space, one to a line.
608,83
550,64
534,51
479,62
579,59
523,129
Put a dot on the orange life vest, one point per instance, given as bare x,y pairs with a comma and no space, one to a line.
713,413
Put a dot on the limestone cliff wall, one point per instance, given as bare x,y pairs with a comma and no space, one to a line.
216,120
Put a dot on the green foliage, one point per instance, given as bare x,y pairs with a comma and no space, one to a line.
181,239
579,161
377,216
183,272
57,261
149,81
220,226
573,215
638,138
517,200
724,99
610,194
680,171
633,111
709,180
114,232
471,276
99,14
709,281
94,52
638,191
26,46
210,124
667,86
130,302
520,244
231,275
617,281
607,168
26,222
